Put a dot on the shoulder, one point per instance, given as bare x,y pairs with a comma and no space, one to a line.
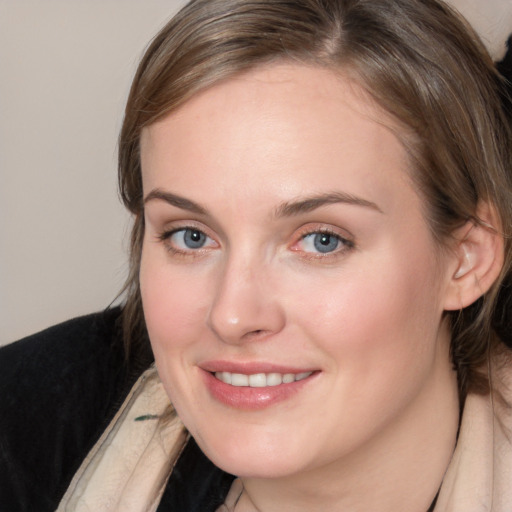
59,388
67,339
72,359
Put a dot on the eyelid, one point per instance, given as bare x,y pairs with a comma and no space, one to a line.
165,234
346,239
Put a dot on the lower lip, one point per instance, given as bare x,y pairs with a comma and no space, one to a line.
247,398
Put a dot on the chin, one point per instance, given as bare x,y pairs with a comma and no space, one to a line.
256,466
256,457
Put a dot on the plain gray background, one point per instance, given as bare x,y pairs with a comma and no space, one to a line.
66,67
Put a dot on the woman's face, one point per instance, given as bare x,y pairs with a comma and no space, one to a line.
285,248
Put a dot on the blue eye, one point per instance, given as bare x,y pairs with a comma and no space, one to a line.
323,243
187,239
193,238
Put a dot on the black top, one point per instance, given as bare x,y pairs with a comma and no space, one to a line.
59,389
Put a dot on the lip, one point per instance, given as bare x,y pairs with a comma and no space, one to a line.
248,398
252,367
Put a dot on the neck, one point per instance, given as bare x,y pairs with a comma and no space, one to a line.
400,468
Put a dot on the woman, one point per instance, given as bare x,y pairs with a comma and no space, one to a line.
320,263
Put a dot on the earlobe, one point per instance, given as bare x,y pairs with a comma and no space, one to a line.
478,259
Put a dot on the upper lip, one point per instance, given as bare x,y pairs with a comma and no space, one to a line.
251,367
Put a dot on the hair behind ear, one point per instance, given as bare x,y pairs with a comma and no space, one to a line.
502,318
479,297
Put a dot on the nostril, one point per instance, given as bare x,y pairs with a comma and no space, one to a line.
256,334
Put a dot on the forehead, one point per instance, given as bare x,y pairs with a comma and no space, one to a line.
285,128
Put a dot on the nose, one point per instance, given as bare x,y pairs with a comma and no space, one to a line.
246,305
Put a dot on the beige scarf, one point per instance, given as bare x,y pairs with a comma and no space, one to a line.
479,477
129,466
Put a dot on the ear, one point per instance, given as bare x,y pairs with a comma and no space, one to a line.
477,259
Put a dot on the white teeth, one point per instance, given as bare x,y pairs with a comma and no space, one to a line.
226,377
274,379
239,379
260,380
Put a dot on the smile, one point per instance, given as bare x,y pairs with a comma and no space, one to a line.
260,380
255,389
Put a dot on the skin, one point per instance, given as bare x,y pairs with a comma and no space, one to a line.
376,426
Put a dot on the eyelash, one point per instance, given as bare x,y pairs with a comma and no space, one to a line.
165,238
344,244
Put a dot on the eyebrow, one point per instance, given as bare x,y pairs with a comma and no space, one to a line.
307,204
175,200
287,209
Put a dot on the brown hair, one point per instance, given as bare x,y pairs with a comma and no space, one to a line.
418,60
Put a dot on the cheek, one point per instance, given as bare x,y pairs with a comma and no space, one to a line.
377,315
174,304
174,316
379,330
